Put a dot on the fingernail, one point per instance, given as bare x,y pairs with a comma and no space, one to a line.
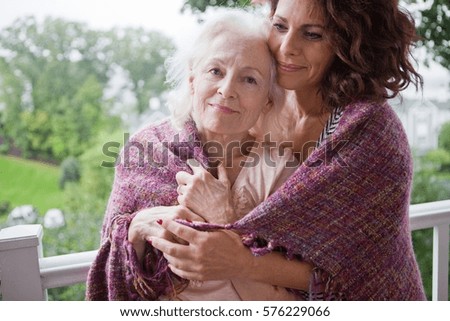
193,162
149,242
159,222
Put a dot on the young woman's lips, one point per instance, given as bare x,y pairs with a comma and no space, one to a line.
223,109
289,67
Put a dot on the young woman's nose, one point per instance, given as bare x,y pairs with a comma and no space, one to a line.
227,87
290,44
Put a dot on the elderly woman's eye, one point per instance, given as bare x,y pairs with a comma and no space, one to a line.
251,80
215,71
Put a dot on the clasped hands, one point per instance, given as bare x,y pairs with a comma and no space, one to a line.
192,254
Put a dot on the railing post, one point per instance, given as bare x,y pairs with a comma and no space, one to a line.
440,262
20,249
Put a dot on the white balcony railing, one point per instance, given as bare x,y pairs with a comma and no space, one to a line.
26,275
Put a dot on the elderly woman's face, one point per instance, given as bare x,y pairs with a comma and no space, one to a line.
298,42
230,85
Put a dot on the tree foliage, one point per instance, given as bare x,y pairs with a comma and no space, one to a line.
444,137
434,29
84,207
141,55
70,171
200,6
53,79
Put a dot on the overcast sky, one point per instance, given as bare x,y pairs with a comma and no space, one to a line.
161,15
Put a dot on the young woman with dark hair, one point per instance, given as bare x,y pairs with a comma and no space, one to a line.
345,209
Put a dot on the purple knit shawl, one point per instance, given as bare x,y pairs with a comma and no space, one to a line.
144,178
345,210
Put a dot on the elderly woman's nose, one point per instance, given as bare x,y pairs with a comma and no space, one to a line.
227,88
290,44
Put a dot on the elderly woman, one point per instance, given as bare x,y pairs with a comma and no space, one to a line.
223,85
345,209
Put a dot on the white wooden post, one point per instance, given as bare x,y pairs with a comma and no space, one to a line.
440,263
436,215
20,249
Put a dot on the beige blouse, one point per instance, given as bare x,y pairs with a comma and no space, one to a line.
264,171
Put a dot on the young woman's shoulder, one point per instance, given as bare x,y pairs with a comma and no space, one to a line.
374,115
375,131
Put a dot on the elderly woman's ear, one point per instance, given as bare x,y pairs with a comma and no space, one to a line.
191,82
268,106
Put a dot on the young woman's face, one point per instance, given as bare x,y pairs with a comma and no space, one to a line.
230,85
298,42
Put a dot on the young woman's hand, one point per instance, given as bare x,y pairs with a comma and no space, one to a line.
204,255
205,195
220,255
145,225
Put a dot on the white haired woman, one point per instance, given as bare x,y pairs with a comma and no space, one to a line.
222,87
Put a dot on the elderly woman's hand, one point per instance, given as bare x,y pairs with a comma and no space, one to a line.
145,225
205,195
205,255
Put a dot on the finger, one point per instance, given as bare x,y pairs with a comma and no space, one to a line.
182,200
180,189
183,178
183,264
196,167
166,235
178,272
167,247
181,273
222,173
187,214
184,232
176,239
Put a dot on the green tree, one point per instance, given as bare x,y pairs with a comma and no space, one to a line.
11,90
41,72
444,137
141,54
200,6
53,77
78,121
435,29
84,207
70,171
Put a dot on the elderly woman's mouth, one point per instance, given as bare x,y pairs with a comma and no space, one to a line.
223,109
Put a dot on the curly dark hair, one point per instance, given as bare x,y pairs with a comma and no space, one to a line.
372,40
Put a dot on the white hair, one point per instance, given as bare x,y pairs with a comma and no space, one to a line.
180,65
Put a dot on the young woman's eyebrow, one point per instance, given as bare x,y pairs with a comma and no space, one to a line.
308,25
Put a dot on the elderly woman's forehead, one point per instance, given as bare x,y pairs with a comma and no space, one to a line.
239,42
249,48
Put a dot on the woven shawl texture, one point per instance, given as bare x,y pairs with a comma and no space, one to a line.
144,177
346,209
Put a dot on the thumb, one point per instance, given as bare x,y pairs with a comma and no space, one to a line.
189,215
196,167
222,173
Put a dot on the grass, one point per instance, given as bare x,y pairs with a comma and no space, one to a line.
28,182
